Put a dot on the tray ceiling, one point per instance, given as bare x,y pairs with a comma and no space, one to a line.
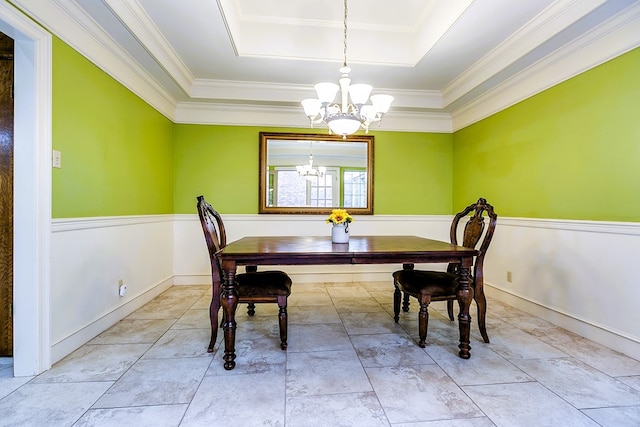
204,61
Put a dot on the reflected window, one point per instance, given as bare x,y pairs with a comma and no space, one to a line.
355,188
288,189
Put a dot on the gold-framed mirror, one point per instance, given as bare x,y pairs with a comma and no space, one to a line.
314,173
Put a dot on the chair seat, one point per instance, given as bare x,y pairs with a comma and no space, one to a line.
264,283
253,287
427,286
417,282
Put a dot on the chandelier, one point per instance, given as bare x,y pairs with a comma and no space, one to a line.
308,171
346,118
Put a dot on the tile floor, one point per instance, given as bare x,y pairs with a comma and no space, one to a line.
348,364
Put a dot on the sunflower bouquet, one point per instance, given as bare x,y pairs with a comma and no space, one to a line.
339,216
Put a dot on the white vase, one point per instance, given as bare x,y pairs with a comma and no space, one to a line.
340,233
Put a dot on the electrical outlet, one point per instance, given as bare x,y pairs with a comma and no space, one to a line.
122,288
509,277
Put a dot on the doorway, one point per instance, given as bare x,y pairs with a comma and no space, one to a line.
32,190
6,195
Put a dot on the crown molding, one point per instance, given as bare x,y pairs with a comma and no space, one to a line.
547,24
291,93
261,104
133,16
287,116
66,20
617,36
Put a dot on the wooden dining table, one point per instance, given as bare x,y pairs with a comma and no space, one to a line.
303,250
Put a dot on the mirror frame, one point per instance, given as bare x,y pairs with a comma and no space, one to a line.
262,187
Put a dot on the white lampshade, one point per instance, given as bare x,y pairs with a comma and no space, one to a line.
360,93
326,91
344,126
311,106
381,103
368,112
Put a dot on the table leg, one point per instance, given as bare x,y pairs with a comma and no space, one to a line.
229,299
465,295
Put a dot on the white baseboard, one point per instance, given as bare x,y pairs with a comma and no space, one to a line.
84,335
599,334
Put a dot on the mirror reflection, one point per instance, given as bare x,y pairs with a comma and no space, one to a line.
302,173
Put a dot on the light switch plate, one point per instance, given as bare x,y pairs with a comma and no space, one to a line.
57,159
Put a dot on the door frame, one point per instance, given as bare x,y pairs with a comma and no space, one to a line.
32,191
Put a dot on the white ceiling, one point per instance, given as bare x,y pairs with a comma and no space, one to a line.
448,63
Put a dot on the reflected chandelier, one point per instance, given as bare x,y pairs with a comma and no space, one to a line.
346,118
308,171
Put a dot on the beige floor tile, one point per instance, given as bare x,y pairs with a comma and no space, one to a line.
259,401
313,315
484,367
348,363
604,359
325,372
318,337
94,363
420,393
134,331
616,416
378,350
253,356
142,416
157,382
177,343
525,405
335,410
54,404
580,384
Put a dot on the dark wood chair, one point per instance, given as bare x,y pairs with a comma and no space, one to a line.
253,286
427,286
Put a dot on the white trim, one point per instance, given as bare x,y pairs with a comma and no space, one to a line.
32,191
69,344
607,227
546,25
517,247
135,18
72,224
264,104
605,335
286,116
70,23
251,92
619,35
90,257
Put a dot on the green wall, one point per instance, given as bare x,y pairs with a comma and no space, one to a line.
117,152
570,152
221,162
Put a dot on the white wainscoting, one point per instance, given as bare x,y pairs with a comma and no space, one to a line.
88,258
576,274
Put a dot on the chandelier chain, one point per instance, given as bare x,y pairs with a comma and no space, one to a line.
345,33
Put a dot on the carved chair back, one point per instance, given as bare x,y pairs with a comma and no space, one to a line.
214,234
474,232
